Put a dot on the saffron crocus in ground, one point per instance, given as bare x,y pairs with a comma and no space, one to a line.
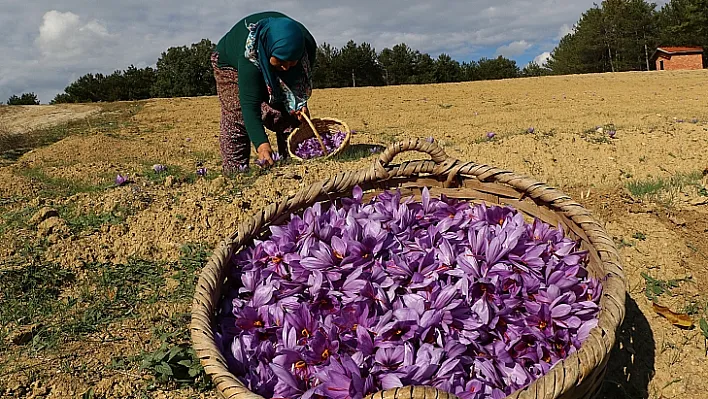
490,135
345,300
121,180
201,171
158,168
531,130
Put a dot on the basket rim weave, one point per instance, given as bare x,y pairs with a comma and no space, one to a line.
338,150
562,378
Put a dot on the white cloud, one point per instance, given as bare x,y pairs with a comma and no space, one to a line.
63,36
542,58
514,48
564,30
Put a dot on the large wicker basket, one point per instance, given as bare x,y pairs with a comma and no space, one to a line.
579,376
315,127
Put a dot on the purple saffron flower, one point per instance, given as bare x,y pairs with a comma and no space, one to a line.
201,171
158,168
611,133
345,299
343,380
303,322
311,148
490,135
121,180
531,130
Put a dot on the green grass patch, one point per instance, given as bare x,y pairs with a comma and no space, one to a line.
177,172
656,186
93,298
104,294
112,117
54,187
119,289
92,221
599,137
29,295
193,258
16,218
639,236
175,362
356,152
657,287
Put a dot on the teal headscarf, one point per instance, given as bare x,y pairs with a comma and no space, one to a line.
281,38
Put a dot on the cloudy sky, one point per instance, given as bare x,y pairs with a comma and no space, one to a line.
48,44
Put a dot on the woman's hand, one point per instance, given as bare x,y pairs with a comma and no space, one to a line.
265,153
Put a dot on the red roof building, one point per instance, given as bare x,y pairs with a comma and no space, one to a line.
678,58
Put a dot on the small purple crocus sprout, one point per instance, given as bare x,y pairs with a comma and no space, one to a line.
159,168
612,133
121,180
276,157
243,168
490,135
261,162
531,130
201,172
189,139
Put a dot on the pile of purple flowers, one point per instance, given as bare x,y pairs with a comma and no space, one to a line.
346,300
311,147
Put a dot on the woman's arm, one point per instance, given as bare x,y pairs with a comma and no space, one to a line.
251,93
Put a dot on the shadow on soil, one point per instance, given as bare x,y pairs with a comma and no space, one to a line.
631,364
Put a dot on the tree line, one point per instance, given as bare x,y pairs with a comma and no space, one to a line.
187,72
622,35
613,36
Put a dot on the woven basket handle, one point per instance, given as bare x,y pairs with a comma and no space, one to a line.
316,133
436,152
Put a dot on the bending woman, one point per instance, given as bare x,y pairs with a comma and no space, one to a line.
263,71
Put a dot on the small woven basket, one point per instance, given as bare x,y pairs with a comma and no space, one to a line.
579,376
316,127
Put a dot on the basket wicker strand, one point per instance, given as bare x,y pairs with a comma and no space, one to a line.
316,127
579,376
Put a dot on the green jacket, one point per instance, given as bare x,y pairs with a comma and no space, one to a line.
251,85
